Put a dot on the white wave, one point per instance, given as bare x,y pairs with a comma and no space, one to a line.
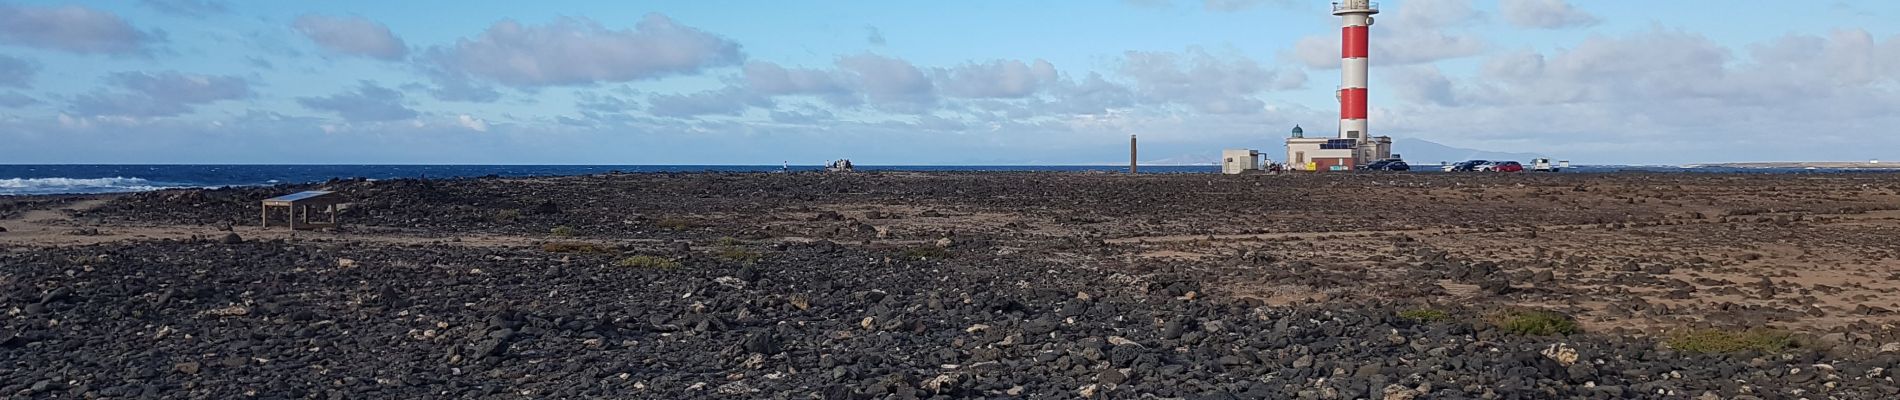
18,186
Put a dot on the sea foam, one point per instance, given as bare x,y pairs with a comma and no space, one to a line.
18,186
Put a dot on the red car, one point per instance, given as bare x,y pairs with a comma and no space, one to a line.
1507,166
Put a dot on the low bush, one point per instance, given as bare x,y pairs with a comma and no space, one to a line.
1712,341
564,231
646,261
1535,323
1424,315
509,215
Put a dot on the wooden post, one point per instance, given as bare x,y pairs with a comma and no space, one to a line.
263,216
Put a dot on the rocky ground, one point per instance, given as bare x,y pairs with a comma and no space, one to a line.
995,285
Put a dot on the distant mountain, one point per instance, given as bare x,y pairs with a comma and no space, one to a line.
1208,158
1420,152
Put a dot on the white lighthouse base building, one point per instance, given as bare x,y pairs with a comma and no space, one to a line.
1335,154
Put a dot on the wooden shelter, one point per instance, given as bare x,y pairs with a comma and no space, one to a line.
297,208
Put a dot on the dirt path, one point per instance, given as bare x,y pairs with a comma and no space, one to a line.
55,227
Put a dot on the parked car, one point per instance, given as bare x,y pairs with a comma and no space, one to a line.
1470,165
1387,165
1544,165
1505,166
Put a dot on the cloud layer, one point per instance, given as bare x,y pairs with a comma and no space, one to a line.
576,51
162,94
353,35
1421,31
368,103
1544,14
77,29
17,72
1642,94
188,8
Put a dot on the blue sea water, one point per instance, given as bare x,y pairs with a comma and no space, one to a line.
73,179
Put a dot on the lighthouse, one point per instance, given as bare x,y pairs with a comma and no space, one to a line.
1354,145
1356,17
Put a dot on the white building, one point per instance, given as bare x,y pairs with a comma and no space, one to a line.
1239,161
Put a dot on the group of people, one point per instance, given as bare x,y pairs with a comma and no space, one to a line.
840,165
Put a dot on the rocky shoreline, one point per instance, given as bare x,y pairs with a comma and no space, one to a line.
946,286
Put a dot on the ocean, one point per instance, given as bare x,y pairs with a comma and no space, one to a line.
86,179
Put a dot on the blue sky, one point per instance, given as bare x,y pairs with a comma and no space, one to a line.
966,82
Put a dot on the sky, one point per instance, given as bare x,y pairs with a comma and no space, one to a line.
919,83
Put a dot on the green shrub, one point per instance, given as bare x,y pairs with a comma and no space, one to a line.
564,231
646,261
739,254
927,253
1710,341
509,215
729,241
1535,322
1424,315
573,247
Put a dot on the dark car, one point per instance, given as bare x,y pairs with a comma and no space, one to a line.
1387,165
1467,166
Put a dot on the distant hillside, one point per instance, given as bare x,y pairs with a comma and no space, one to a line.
1418,151
1803,164
1209,158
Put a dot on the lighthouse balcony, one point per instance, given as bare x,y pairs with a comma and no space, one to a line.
1352,6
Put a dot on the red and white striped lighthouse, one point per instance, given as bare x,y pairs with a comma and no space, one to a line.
1357,16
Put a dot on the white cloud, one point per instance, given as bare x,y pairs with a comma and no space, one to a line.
368,103
773,79
889,80
183,88
353,35
1434,14
77,29
1544,14
159,95
996,79
472,123
1218,5
1421,31
1209,83
578,51
1654,95
1423,84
